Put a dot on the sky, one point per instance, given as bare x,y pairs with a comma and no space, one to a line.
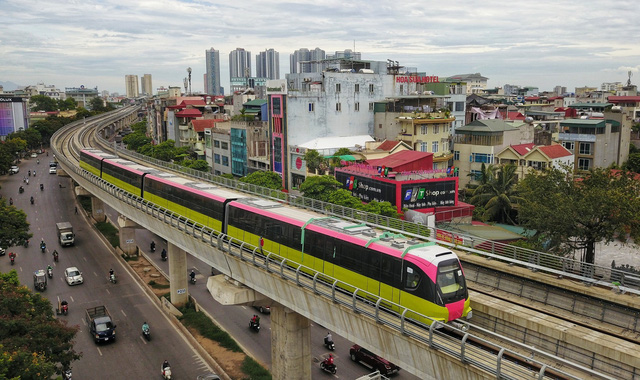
95,43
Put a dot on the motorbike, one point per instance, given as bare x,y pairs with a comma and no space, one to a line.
193,280
254,325
21,189
13,259
66,375
64,307
163,255
153,246
166,373
146,332
329,344
26,243
29,173
112,278
331,368
43,247
55,256
41,187
50,272
32,200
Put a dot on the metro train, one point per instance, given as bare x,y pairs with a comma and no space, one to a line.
424,277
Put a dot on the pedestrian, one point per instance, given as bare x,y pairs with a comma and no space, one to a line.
76,209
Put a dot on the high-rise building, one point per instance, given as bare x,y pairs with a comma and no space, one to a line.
268,64
345,54
131,84
212,72
240,63
147,89
306,61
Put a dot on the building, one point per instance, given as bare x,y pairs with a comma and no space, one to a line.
255,85
147,87
306,61
476,83
346,54
14,115
597,143
81,95
131,86
480,141
530,157
212,73
221,139
240,63
629,105
268,64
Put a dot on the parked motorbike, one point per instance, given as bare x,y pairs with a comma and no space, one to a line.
331,368
112,278
329,344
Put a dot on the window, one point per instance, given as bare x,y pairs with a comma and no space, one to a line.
371,106
401,88
412,279
434,147
371,88
569,145
424,129
357,106
481,157
436,129
456,155
225,145
338,107
216,158
357,87
435,166
537,164
584,163
337,87
459,106
225,161
476,174
424,147
216,143
312,107
585,148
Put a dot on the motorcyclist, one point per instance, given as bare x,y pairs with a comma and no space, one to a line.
111,273
165,365
55,255
27,181
49,267
38,161
49,270
41,187
42,244
329,361
10,201
12,256
29,173
145,327
32,200
163,255
192,275
34,173
328,339
153,246
255,320
21,189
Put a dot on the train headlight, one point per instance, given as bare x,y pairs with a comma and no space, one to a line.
470,315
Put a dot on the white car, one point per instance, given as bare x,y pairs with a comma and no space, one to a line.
73,276
14,169
53,170
34,155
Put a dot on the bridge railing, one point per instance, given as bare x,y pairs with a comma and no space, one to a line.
498,362
589,274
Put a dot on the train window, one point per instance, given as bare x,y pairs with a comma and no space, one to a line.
412,277
450,281
390,270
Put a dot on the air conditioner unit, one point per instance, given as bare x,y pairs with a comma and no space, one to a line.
307,79
256,130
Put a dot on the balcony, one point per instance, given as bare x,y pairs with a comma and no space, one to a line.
576,137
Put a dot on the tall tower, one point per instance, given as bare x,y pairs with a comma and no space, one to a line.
212,72
147,88
131,84
240,63
305,55
268,64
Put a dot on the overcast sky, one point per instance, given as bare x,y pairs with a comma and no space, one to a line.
541,43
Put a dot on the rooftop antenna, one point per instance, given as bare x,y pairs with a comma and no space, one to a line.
629,80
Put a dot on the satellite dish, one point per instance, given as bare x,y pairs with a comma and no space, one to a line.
528,120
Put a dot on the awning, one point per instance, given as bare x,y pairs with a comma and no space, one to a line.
346,157
251,111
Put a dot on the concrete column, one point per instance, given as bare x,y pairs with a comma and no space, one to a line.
127,235
177,275
97,209
290,344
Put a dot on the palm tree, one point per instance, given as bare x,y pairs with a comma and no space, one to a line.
497,193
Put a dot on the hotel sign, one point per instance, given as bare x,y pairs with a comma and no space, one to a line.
416,79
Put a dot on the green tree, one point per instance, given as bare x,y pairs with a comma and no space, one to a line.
271,180
381,208
32,341
497,193
576,213
67,104
43,103
140,127
81,113
97,104
633,163
15,228
135,140
201,165
165,151
313,159
319,187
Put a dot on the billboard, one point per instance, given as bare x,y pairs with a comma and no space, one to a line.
368,189
428,194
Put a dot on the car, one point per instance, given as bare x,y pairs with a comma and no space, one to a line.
34,155
2,251
53,170
14,169
263,309
53,164
73,276
369,359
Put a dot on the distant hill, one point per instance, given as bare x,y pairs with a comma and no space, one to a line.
9,86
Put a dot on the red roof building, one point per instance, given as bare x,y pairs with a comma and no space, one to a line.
199,125
189,112
405,160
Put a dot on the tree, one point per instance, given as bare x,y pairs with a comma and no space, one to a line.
576,213
319,187
135,140
67,104
15,228
313,159
97,104
201,165
43,103
165,151
633,163
497,193
381,208
343,197
32,341
271,180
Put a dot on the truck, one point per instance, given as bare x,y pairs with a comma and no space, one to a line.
101,327
65,233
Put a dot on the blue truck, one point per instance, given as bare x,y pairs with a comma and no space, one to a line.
101,326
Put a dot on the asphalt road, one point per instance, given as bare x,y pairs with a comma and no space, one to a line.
130,356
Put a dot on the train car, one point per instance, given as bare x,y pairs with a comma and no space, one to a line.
423,277
91,160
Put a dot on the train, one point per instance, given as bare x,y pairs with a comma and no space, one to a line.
421,276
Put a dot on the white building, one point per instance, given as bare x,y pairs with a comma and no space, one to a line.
131,85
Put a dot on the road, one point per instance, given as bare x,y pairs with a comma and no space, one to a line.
130,356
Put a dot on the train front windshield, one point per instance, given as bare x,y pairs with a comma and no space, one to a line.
451,281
